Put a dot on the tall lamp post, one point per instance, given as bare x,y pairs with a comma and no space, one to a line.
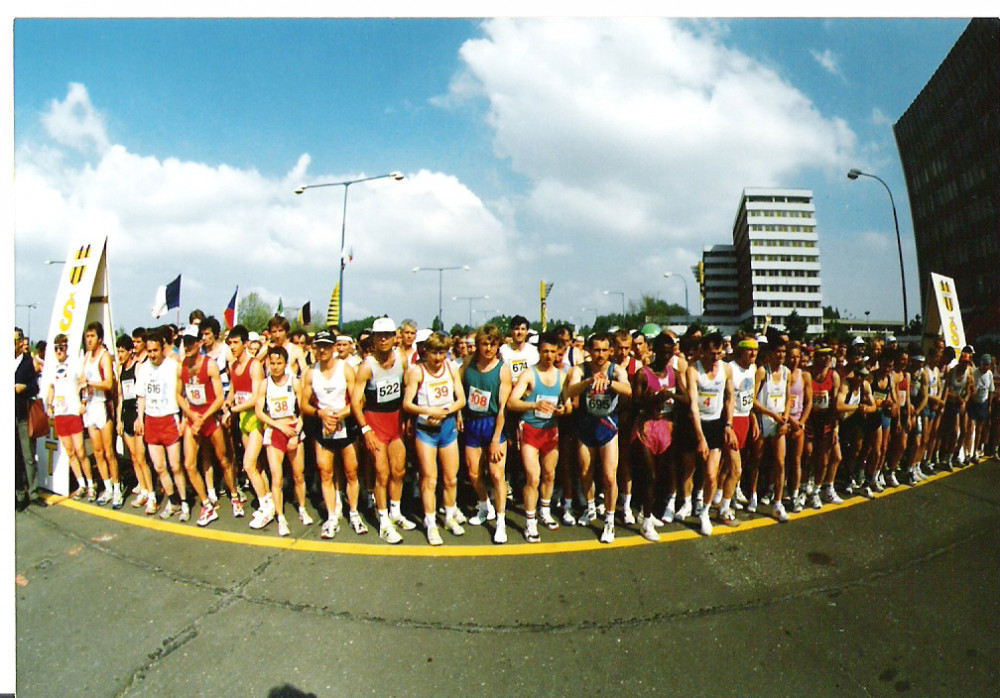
470,299
343,226
687,307
854,174
440,271
30,307
618,293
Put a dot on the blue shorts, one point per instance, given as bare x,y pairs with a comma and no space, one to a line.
479,431
977,411
595,432
437,436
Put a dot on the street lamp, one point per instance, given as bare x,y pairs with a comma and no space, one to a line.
867,321
440,271
687,308
343,226
30,307
619,293
854,174
470,299
55,261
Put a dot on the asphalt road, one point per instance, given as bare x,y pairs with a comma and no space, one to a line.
895,596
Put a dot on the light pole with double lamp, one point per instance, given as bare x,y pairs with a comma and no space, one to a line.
440,271
854,174
30,307
687,307
343,226
470,299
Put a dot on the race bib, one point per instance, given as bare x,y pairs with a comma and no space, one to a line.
601,404
821,400
706,402
388,389
517,366
776,402
195,393
746,402
796,404
548,399
282,407
341,432
901,396
479,400
438,393
242,397
59,405
128,389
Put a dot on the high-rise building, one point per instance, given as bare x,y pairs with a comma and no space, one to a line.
777,257
948,145
719,286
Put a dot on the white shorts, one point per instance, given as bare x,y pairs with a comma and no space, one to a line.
95,414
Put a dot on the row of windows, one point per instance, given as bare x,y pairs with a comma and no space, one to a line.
783,258
782,228
782,243
779,214
760,320
780,199
777,288
789,304
784,272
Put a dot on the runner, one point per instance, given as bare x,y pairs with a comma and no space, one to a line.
200,397
214,349
376,402
902,422
487,382
277,336
519,355
434,394
158,419
63,404
822,446
800,391
622,355
538,395
710,390
979,408
98,398
407,340
128,398
772,404
654,394
278,399
326,395
746,428
919,402
877,426
599,384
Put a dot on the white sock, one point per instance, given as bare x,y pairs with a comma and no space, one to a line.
567,504
429,521
211,494
107,484
725,504
501,519
449,512
591,506
628,501
394,509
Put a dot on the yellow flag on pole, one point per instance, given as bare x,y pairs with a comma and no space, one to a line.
332,314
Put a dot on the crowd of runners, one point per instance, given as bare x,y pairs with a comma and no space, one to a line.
638,428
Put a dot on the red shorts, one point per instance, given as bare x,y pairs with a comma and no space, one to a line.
386,425
275,438
543,440
208,427
161,431
68,425
741,425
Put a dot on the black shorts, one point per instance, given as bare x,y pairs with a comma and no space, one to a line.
715,433
314,428
129,415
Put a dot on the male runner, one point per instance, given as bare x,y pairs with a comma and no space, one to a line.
97,403
128,398
64,405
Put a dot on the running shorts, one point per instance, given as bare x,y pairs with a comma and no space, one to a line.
161,431
439,436
333,444
388,426
715,433
479,431
275,438
208,427
248,422
595,432
68,424
655,435
95,415
542,439
741,425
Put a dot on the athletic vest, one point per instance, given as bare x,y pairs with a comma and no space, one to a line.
797,390
331,393
519,360
130,395
384,390
65,391
158,386
654,384
93,372
198,388
279,400
481,390
242,384
822,397
710,392
772,394
435,390
742,388
543,393
600,404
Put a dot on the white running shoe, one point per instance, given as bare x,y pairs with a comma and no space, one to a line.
740,497
892,481
628,517
500,535
150,505
304,517
185,512
329,528
455,528
549,521
434,536
829,495
262,517
815,501
752,503
649,530
682,513
668,513
728,517
531,531
567,518
484,514
169,510
283,527
403,523
706,525
608,536
779,512
587,517
389,534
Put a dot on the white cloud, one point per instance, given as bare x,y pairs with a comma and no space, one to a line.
828,61
879,118
639,128
220,225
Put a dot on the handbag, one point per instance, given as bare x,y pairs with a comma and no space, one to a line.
38,421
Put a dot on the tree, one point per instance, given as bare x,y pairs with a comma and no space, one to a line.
796,326
253,313
830,313
916,327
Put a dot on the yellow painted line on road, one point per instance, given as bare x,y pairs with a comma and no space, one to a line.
410,549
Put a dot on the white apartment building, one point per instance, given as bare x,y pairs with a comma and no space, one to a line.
776,259
719,281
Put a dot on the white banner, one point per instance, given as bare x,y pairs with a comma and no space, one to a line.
83,297
949,311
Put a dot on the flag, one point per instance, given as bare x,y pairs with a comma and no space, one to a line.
230,313
332,313
347,255
281,307
305,315
167,298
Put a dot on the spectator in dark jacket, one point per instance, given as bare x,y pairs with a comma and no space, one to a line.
25,388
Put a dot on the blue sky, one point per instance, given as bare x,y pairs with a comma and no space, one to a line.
595,154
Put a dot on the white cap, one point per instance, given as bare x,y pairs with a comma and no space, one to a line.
253,337
858,340
422,335
761,339
383,324
191,331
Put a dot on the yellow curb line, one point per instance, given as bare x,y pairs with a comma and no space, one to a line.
157,524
